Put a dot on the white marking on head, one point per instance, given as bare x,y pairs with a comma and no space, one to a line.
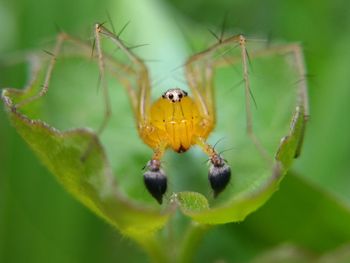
174,95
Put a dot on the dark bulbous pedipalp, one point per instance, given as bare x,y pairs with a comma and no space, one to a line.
219,175
155,180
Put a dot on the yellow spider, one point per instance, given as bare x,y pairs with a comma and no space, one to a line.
177,120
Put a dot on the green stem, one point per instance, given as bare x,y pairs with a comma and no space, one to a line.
190,242
152,246
159,251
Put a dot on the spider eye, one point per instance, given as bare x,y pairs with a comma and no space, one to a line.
171,96
180,95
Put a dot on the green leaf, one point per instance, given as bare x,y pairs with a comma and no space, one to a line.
290,146
191,201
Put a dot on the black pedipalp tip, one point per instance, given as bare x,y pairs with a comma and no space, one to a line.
219,177
156,183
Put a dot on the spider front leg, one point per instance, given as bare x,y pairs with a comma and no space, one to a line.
132,75
137,85
201,67
295,50
61,38
200,71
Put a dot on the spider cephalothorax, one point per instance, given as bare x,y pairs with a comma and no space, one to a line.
176,121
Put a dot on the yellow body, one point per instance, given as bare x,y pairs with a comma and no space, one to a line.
175,124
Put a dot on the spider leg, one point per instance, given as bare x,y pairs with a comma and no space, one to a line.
200,74
154,177
132,75
100,30
296,51
303,100
101,65
249,116
137,82
200,70
45,87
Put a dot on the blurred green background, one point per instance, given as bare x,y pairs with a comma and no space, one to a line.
40,222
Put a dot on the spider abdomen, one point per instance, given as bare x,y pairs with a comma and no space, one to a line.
175,123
